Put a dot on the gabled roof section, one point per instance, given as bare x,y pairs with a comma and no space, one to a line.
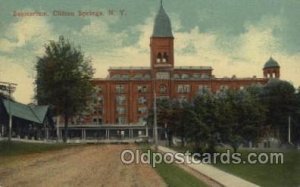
40,112
35,114
162,24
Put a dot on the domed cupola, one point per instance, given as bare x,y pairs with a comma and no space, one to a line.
162,24
271,69
271,63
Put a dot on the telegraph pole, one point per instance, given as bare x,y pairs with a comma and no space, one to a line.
155,121
10,116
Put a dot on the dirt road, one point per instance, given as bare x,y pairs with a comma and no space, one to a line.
97,165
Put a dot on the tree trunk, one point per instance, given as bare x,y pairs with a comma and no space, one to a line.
182,141
235,148
66,128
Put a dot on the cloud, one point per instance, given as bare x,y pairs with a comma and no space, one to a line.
243,55
258,41
10,71
96,28
22,42
27,30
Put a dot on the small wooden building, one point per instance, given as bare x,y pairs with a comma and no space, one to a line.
28,121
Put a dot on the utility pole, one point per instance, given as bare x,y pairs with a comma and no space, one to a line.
155,121
289,131
10,116
10,87
57,128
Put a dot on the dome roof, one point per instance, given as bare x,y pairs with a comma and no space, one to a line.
271,63
162,24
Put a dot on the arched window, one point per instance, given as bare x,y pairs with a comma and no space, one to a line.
165,58
159,58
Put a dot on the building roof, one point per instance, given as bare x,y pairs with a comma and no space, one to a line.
193,68
162,24
129,68
271,63
35,114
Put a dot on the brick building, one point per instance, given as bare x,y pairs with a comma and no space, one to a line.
127,94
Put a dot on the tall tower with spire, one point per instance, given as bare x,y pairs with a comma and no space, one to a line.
162,42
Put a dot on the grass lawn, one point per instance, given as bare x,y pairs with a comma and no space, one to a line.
11,151
8,149
266,175
269,175
174,176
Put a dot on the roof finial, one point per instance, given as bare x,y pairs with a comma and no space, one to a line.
161,2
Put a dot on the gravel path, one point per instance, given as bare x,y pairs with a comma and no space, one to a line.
97,165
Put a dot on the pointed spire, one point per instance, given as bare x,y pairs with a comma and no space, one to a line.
162,24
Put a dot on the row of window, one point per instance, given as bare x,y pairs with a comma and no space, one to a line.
120,89
119,120
134,77
122,120
191,76
160,75
181,88
142,100
121,100
122,110
140,89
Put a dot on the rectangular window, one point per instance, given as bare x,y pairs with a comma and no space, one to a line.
120,120
97,121
183,88
182,99
142,120
120,89
163,75
100,111
100,100
120,110
224,87
142,89
142,100
98,89
203,89
142,110
121,100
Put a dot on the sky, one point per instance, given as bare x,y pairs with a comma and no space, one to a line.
235,37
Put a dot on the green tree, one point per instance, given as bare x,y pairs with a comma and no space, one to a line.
202,122
240,117
280,99
180,120
63,79
296,120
